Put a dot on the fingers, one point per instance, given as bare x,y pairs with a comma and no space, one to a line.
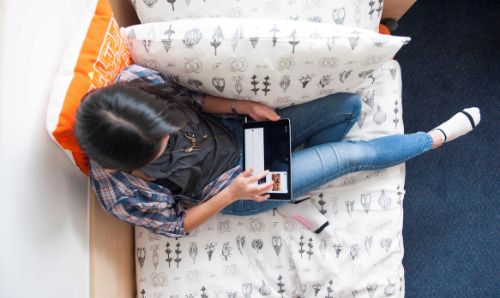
263,188
247,172
260,198
258,176
273,115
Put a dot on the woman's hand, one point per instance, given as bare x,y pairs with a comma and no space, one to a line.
245,187
258,111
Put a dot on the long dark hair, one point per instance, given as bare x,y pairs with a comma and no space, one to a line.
121,126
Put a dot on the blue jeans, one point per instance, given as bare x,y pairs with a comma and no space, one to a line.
321,125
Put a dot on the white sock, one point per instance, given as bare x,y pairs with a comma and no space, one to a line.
306,214
460,124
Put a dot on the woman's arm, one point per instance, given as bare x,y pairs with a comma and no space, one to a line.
258,111
243,187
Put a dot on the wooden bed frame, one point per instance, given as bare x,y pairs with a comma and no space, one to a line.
111,242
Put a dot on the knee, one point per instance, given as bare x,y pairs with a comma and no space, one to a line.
354,102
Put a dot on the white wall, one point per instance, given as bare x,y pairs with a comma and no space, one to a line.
43,199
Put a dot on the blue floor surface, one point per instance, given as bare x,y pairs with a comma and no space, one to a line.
451,221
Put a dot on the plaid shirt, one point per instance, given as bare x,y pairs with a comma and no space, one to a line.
144,203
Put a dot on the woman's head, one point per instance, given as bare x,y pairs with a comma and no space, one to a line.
124,126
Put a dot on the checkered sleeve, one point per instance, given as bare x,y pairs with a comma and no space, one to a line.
135,71
160,218
138,202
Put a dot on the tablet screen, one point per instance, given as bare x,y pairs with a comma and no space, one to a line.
268,148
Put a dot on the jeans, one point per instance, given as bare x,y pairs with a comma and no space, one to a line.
319,126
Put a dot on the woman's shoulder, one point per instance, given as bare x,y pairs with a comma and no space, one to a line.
136,71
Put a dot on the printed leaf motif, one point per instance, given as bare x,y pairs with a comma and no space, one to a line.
217,38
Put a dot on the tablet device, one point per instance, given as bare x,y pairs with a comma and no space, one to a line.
267,146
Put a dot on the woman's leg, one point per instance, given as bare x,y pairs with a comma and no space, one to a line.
323,120
315,166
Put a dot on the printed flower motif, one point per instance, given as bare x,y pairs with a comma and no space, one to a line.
256,224
158,279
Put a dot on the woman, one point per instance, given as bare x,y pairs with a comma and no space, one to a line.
161,158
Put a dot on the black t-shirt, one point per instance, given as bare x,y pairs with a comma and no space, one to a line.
195,156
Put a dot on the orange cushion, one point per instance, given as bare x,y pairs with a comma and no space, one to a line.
93,59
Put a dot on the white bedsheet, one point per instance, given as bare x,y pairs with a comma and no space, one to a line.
267,255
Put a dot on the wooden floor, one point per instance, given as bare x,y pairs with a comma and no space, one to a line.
112,267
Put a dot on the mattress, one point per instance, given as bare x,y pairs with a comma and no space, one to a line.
269,255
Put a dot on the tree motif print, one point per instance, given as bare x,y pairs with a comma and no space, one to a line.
169,259
310,245
301,244
275,30
203,294
322,204
281,286
294,42
254,83
396,119
266,83
178,251
372,9
379,8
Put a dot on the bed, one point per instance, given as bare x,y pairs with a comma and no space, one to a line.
266,255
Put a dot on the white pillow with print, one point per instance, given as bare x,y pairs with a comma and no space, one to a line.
277,62
358,13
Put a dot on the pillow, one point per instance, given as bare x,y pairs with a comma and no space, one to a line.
95,55
364,14
273,61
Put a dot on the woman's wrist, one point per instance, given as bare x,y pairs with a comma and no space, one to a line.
243,106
